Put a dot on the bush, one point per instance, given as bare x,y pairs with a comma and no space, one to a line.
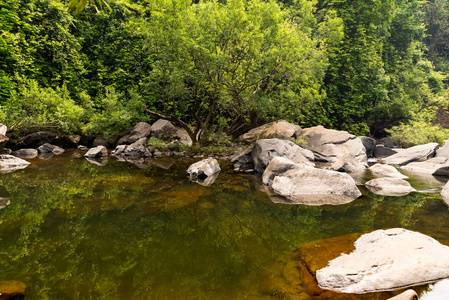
115,114
32,108
417,133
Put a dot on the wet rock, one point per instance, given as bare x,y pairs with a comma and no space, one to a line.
386,260
335,146
382,170
369,144
35,140
163,129
382,151
389,186
9,163
208,181
26,153
303,184
49,148
264,150
96,152
45,156
412,154
12,289
137,148
141,130
279,129
204,168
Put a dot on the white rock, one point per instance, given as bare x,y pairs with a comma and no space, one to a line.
9,163
204,168
303,184
386,260
99,151
388,186
383,170
416,153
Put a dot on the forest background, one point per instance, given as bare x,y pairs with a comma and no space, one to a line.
218,68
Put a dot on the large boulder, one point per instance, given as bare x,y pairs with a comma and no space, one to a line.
382,151
386,260
265,149
443,151
35,140
9,163
416,153
389,186
335,146
141,130
96,152
382,170
280,129
302,184
431,166
163,129
183,137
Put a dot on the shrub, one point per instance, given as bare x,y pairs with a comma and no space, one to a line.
417,133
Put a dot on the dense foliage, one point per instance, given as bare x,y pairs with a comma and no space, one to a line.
361,66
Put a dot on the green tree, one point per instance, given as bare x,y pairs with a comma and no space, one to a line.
229,64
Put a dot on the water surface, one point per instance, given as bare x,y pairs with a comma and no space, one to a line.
78,230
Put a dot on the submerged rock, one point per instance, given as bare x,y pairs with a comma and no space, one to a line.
203,169
308,185
264,150
386,260
26,153
416,153
389,186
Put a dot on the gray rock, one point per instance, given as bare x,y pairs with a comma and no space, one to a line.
382,170
26,153
141,130
369,144
9,163
204,168
389,186
49,148
163,129
444,151
82,148
335,146
349,164
382,151
96,152
100,141
137,148
416,153
69,141
280,129
119,149
303,184
386,260
183,137
264,150
35,140
430,166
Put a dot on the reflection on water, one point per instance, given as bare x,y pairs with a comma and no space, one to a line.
77,230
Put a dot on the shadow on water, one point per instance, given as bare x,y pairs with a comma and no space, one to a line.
76,230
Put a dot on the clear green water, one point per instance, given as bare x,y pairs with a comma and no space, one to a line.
76,230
